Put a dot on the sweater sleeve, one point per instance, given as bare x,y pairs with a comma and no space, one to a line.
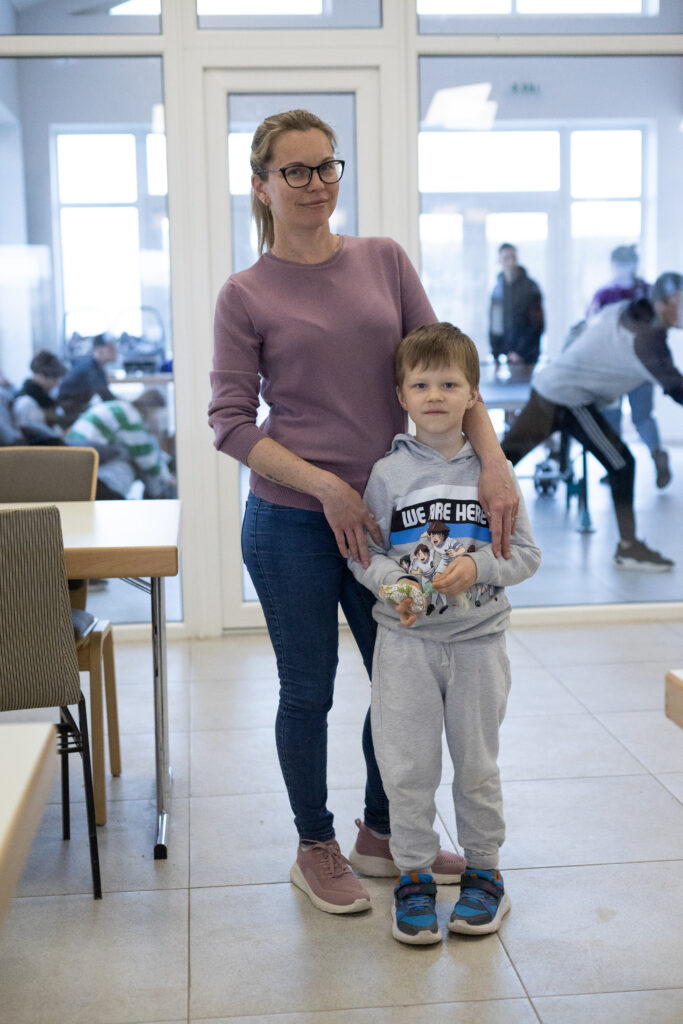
382,568
235,379
525,556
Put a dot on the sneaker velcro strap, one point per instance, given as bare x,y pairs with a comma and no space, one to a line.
475,882
417,889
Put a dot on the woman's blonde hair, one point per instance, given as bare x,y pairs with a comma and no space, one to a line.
262,146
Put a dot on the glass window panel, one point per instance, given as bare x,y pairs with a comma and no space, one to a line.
288,14
606,220
489,161
617,121
66,18
606,163
573,7
84,237
157,178
555,17
95,168
99,245
245,113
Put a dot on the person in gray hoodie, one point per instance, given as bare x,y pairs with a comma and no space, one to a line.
446,669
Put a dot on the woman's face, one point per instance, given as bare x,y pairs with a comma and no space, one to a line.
297,209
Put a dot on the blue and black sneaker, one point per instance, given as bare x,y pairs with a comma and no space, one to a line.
482,904
414,910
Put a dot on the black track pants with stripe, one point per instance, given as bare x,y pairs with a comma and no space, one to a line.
541,418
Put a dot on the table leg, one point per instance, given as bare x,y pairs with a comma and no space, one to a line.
163,771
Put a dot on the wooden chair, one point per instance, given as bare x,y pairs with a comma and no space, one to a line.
66,473
38,658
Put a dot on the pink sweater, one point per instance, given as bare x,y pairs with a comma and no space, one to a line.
319,341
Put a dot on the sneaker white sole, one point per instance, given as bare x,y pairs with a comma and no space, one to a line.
462,928
423,938
629,566
297,877
382,867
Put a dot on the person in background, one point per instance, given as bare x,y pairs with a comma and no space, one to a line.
624,345
35,407
625,284
87,379
129,450
312,327
9,434
516,320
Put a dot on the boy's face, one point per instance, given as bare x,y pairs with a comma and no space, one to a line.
422,556
436,400
438,538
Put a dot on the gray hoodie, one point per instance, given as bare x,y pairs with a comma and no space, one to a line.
414,486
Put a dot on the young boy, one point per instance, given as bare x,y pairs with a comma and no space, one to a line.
449,669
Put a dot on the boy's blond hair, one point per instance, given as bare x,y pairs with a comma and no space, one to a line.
434,346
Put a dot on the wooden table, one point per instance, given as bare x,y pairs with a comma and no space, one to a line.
28,767
129,540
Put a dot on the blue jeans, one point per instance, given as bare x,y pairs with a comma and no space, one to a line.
300,578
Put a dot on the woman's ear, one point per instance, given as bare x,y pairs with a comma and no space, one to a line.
258,185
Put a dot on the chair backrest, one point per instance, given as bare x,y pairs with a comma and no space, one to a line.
38,661
48,473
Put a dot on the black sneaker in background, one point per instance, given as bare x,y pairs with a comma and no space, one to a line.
641,558
661,461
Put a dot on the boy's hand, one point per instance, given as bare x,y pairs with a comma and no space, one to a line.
407,617
407,598
459,576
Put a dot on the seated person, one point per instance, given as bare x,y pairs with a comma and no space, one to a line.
121,433
9,434
620,348
35,408
86,379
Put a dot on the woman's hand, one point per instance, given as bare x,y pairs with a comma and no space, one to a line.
457,577
349,519
500,502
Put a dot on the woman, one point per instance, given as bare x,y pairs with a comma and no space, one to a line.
314,324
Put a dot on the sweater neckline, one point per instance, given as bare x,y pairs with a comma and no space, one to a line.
309,266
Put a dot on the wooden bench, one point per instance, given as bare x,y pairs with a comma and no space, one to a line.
674,696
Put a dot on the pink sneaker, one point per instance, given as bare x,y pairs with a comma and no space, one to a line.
325,875
371,856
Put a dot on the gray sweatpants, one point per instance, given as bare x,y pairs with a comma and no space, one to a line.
418,686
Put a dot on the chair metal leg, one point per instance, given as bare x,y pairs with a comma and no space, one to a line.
89,800
111,701
97,726
63,750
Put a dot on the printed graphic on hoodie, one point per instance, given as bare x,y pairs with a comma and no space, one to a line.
457,507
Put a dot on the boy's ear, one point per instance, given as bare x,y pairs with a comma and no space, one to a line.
474,395
401,400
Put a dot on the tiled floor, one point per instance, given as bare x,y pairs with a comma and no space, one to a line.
593,785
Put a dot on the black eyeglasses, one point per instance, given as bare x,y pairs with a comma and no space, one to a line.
300,175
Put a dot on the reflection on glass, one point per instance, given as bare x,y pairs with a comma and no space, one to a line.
96,168
497,161
606,163
64,17
288,14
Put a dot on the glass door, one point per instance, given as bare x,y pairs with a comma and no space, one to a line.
237,102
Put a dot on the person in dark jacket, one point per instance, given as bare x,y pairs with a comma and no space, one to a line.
35,407
516,321
87,379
